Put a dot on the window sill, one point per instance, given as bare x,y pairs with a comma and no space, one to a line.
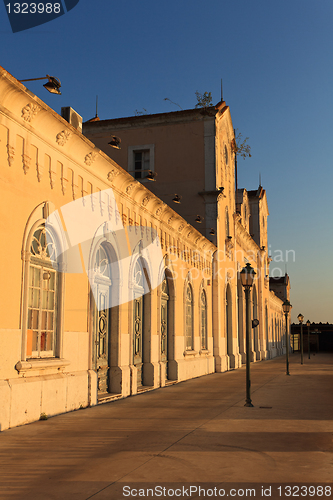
204,351
41,364
190,352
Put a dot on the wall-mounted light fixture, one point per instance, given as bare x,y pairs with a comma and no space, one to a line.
53,85
115,142
176,198
151,176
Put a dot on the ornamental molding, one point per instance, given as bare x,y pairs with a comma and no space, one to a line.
30,111
40,171
63,137
90,158
129,188
181,227
145,200
75,190
112,175
53,176
26,160
64,184
159,211
10,154
171,219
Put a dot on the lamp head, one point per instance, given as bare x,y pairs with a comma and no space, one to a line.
286,306
151,176
115,142
300,318
53,85
247,275
308,323
176,198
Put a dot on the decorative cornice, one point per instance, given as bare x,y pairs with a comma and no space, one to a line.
90,158
129,188
30,111
63,137
159,211
112,175
145,200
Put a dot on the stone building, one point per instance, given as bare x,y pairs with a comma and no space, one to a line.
192,160
107,290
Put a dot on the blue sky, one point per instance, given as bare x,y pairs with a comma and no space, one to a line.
276,62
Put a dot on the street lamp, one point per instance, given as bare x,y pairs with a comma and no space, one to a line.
53,85
247,275
286,306
300,318
308,325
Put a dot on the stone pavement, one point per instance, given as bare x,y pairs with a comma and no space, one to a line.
195,433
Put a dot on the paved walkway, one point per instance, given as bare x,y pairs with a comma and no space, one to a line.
195,433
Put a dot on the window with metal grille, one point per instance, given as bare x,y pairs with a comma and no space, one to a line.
141,164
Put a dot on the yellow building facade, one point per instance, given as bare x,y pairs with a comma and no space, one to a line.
107,291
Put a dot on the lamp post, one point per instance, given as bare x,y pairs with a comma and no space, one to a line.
247,276
308,325
300,318
286,306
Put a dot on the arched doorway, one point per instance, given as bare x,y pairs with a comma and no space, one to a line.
267,332
228,325
189,317
138,320
165,324
256,329
101,318
241,326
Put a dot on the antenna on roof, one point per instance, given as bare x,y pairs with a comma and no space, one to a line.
221,91
97,106
259,178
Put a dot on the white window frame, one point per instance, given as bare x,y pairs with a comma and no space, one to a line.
28,363
138,149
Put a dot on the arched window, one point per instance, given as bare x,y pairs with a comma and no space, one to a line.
42,301
189,317
203,319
